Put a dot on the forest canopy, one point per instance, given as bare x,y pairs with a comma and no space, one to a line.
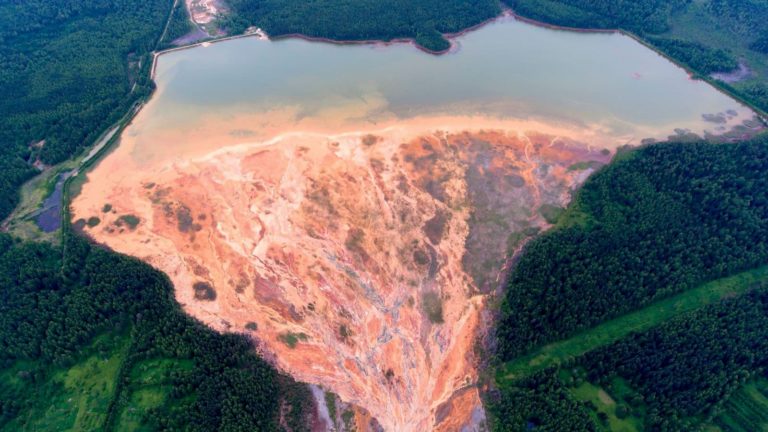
423,20
68,69
58,306
663,220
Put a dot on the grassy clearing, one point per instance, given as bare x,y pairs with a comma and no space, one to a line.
746,410
132,417
643,319
609,406
604,403
72,399
93,384
149,387
81,397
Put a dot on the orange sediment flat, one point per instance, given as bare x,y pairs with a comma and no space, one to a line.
357,259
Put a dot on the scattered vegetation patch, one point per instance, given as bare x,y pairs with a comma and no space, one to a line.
129,220
389,374
369,139
79,224
420,257
354,241
330,402
204,291
184,220
584,165
432,305
93,221
347,417
550,213
434,228
291,338
344,332
515,180
107,208
252,326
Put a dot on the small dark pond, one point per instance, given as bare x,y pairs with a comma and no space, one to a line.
49,216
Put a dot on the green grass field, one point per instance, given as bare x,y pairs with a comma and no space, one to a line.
611,402
72,399
643,319
149,388
80,397
605,403
746,410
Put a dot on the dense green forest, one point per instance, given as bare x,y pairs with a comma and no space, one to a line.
761,43
697,56
707,36
178,25
663,220
62,308
641,16
68,69
675,377
423,20
540,402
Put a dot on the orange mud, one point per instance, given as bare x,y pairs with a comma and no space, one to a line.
358,261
